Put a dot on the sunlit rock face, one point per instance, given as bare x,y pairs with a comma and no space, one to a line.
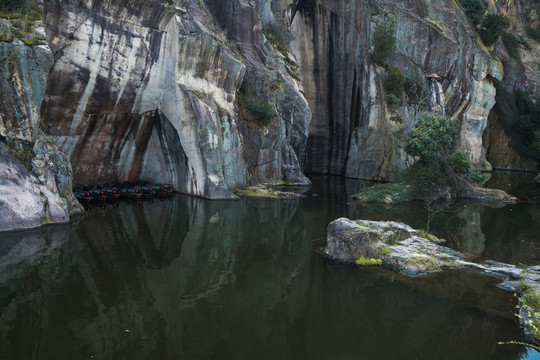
35,178
147,90
353,131
144,90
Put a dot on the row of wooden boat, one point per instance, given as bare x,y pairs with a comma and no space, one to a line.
126,190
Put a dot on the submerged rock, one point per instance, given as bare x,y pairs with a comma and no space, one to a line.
413,253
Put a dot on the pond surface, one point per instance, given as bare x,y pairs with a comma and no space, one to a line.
193,279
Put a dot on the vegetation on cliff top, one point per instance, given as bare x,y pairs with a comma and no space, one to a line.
17,20
490,26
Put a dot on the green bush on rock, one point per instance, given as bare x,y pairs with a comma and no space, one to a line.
394,83
384,41
492,27
474,9
440,171
433,138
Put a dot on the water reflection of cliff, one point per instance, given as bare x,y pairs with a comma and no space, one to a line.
194,279
128,279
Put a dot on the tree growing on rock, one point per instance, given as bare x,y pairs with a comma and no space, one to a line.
433,138
384,41
474,9
492,28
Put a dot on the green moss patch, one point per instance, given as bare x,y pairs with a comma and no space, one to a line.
363,261
265,192
18,19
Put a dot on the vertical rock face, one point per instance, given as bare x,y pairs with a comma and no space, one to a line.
35,178
148,90
273,151
354,132
144,90
520,73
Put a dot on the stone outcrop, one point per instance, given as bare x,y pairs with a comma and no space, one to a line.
400,247
413,253
35,178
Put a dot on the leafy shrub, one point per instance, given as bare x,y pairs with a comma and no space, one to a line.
414,91
384,41
474,9
460,162
477,177
394,82
12,5
392,100
511,42
277,85
533,33
492,28
432,137
279,35
260,110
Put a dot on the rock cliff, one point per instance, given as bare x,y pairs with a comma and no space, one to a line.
520,73
35,178
446,69
215,95
149,91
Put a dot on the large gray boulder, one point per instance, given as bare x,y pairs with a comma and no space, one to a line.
397,245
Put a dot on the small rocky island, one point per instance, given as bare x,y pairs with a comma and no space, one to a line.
413,253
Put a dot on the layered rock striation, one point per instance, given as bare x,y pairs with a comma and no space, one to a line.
150,91
35,177
354,132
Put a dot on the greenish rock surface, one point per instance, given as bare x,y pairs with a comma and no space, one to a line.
399,246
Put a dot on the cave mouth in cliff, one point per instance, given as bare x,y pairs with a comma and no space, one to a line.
128,147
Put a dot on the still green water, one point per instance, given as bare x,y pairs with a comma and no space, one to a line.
193,279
